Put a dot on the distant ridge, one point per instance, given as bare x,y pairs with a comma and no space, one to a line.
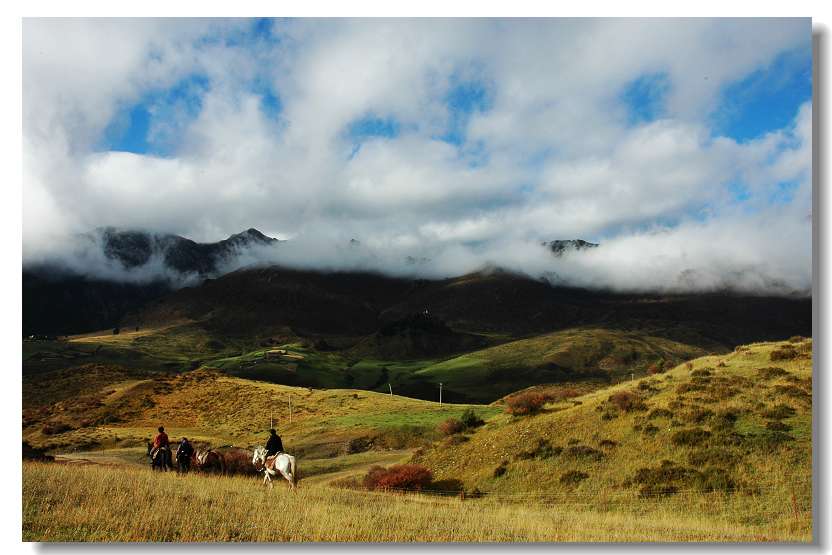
136,248
560,246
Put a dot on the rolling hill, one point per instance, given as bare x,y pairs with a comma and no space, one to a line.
719,448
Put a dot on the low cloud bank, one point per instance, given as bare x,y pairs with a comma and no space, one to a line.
764,253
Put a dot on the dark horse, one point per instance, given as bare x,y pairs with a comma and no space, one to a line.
183,461
161,459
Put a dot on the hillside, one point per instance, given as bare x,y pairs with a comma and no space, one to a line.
717,449
738,426
582,355
571,356
109,406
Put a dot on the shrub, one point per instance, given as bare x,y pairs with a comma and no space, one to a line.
713,479
456,439
400,476
724,419
501,469
721,364
786,352
573,477
777,426
713,456
54,428
584,452
650,430
543,450
698,415
690,437
451,426
768,441
792,391
688,387
657,367
661,480
607,443
627,401
689,365
648,386
771,372
701,372
779,412
796,339
470,419
660,413
529,402
358,445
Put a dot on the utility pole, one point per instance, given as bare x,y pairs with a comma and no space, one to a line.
632,376
271,420
391,389
440,394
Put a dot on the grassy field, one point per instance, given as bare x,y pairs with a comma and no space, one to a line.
101,503
737,425
715,449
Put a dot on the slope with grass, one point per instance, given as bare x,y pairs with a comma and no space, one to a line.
598,355
574,355
87,503
734,427
106,407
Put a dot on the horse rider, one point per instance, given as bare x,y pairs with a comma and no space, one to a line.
274,445
161,440
184,454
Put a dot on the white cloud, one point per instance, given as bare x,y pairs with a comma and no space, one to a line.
553,156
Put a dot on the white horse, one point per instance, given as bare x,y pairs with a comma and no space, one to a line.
281,463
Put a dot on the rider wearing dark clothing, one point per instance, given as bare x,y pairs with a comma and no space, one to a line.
274,445
185,448
184,454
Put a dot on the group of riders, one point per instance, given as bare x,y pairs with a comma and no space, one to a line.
160,450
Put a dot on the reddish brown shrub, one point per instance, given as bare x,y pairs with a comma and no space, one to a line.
627,401
54,428
451,426
526,403
399,476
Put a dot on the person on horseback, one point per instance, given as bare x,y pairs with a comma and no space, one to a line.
159,442
184,454
274,445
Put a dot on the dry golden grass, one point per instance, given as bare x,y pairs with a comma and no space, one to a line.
773,483
96,503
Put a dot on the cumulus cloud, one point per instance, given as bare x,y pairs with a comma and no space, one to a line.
551,152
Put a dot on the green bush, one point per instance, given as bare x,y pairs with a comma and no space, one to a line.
471,419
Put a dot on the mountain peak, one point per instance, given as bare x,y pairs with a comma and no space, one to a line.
560,246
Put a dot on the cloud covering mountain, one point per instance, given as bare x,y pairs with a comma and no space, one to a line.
683,147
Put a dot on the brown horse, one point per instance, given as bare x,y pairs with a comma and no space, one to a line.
208,460
237,461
